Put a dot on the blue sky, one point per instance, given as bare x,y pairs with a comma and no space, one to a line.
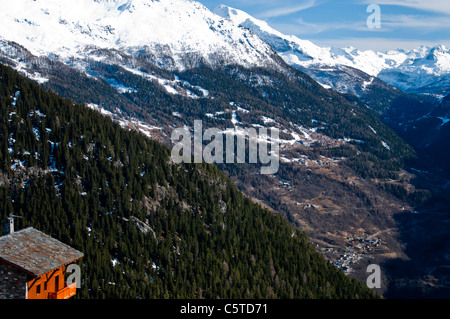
405,24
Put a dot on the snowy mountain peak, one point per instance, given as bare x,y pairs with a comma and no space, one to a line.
437,52
65,28
290,47
424,68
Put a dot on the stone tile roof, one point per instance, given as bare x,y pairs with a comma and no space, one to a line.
35,252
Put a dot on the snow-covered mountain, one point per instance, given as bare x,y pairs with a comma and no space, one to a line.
181,34
176,34
422,70
425,70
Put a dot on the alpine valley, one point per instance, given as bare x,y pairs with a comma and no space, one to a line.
353,165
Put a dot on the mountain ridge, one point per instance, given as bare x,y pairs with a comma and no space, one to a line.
195,34
410,70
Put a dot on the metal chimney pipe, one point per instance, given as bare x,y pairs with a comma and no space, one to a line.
8,226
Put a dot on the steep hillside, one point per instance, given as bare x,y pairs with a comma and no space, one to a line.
425,126
346,160
148,228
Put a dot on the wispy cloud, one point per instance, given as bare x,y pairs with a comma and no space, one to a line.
285,10
414,23
302,27
439,6
424,23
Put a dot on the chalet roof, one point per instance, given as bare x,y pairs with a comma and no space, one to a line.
35,252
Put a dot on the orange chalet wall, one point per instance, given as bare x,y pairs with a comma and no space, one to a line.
40,287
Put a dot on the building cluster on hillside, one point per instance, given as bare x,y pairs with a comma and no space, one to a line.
356,248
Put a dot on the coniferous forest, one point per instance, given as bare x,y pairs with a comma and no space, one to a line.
148,228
